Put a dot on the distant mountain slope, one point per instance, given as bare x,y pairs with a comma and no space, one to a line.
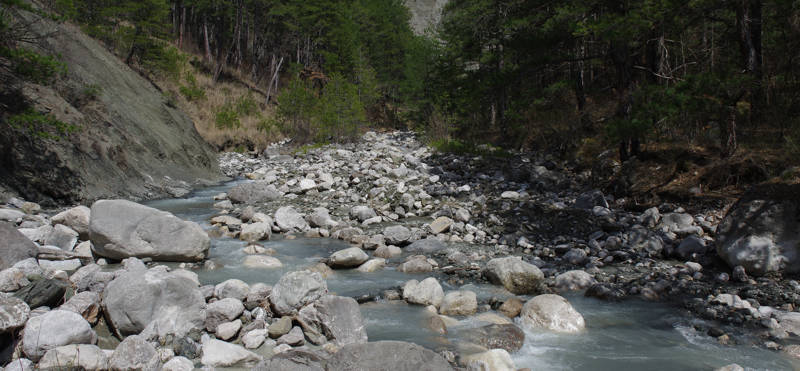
128,140
425,13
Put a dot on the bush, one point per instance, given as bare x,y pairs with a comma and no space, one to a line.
192,92
227,118
41,125
33,66
246,105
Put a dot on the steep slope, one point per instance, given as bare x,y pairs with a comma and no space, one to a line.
128,141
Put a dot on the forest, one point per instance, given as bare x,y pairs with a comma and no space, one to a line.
572,76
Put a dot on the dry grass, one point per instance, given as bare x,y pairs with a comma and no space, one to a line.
203,111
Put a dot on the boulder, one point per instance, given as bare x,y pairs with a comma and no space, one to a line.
295,290
120,229
255,232
505,336
490,360
253,192
54,329
91,278
551,312
76,218
333,318
10,215
514,274
387,355
574,280
320,218
387,252
294,337
166,302
262,262
591,199
86,303
74,356
134,353
178,364
288,219
761,232
362,213
217,353
306,184
440,225
232,288
12,279
511,307
20,364
227,330
415,264
62,237
294,360
43,293
691,245
254,338
372,265
222,311
14,246
427,292
13,314
426,246
459,303
397,235
280,327
348,258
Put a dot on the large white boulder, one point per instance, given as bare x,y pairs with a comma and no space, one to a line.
120,229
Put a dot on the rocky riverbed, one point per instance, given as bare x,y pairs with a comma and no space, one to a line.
314,255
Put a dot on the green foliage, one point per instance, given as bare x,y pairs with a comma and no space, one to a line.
468,148
192,92
227,117
246,105
33,66
40,125
91,91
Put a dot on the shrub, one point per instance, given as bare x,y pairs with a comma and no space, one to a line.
41,125
227,118
246,105
33,66
192,92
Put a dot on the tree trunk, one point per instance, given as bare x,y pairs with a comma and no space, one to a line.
205,41
748,23
182,28
728,137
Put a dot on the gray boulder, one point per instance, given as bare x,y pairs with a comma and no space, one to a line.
497,336
217,353
551,312
348,258
43,292
295,290
13,314
178,364
74,356
76,218
459,303
300,359
333,318
427,292
691,245
514,274
232,288
574,280
86,303
255,232
320,218
54,329
62,237
288,219
440,225
425,246
120,229
253,192
387,356
397,235
14,246
761,232
222,311
362,213
134,353
591,199
163,302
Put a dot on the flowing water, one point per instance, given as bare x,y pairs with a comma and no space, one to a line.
630,335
